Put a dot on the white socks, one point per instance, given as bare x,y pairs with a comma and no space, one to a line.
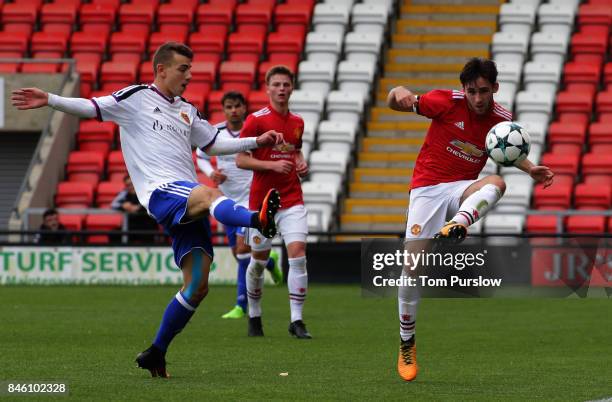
297,282
254,282
407,301
477,205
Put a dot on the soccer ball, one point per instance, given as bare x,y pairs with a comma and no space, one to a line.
507,143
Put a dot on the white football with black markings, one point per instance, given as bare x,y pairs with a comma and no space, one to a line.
507,143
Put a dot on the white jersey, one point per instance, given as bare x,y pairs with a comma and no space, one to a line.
237,186
157,134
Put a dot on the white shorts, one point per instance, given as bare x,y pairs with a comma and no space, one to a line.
291,224
432,206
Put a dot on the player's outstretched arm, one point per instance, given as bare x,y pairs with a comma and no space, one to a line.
34,98
401,99
541,174
244,160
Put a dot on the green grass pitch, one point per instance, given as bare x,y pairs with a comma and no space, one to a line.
468,349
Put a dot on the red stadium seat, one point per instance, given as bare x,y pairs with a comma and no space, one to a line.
142,14
203,72
10,68
128,42
196,94
214,58
220,14
116,169
590,14
572,102
176,13
243,87
607,78
102,223
603,102
74,195
49,42
245,57
298,14
159,38
557,196
601,148
239,42
174,29
216,117
114,3
214,101
257,100
253,14
589,47
567,133
95,135
16,42
72,222
145,72
542,224
562,164
582,73
88,42
85,166
40,68
106,193
124,72
231,71
600,132
566,149
96,13
281,42
23,13
213,42
595,163
586,224
59,13
593,195
267,4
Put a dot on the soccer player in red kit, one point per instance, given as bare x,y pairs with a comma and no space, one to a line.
444,183
280,167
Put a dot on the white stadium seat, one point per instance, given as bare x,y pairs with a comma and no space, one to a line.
331,17
537,131
324,46
549,47
319,192
328,167
516,17
489,168
534,106
341,133
503,223
557,18
542,76
309,105
370,17
316,76
357,77
510,47
362,46
345,106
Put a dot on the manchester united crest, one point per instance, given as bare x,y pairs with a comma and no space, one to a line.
415,229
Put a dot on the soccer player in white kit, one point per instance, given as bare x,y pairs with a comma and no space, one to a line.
235,183
158,129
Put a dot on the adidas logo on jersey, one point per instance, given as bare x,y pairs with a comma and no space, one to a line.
459,124
156,110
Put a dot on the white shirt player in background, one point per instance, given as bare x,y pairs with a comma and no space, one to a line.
235,183
158,129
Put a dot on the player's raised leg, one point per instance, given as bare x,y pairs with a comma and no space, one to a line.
226,211
476,201
196,268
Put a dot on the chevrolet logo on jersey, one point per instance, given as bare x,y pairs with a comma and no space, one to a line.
467,148
284,147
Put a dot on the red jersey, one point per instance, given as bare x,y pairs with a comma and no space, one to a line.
292,128
454,147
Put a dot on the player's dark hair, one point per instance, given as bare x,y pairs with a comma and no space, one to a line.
282,70
49,212
165,53
478,67
233,95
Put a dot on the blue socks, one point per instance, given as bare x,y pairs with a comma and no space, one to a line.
176,316
270,265
241,299
228,212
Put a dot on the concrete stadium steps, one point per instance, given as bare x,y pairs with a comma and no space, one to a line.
430,45
375,206
382,191
381,175
379,160
433,56
446,27
370,144
373,222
